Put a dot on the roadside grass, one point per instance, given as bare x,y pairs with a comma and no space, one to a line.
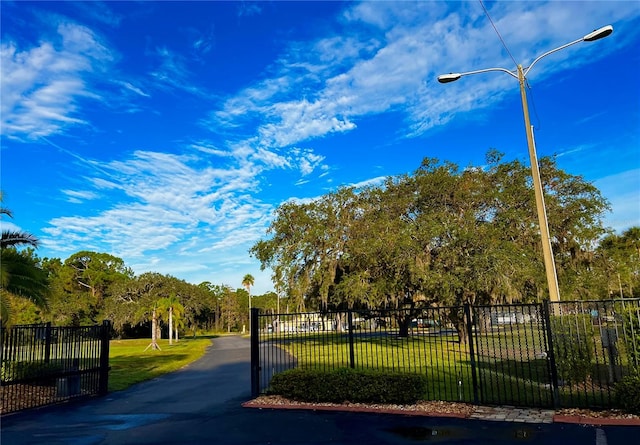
131,364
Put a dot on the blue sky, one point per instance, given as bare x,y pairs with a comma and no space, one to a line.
166,133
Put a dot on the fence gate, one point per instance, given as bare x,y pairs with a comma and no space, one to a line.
44,364
511,355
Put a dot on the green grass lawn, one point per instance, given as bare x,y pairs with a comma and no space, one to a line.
131,364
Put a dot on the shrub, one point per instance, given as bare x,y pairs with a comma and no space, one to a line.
346,384
627,393
573,346
17,371
631,334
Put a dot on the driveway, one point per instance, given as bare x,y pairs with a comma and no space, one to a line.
201,404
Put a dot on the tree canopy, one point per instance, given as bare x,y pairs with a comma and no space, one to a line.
442,235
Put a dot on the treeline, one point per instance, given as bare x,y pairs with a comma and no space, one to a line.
89,287
441,236
448,236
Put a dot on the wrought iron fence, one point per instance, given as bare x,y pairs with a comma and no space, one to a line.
44,364
568,354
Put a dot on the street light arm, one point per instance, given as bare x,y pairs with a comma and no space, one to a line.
598,34
527,69
446,78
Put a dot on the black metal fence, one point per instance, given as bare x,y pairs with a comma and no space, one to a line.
44,364
568,354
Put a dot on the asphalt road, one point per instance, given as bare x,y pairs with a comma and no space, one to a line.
201,404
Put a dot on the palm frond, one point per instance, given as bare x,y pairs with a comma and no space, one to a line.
23,278
6,211
12,239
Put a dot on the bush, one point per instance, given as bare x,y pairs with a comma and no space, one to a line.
573,346
627,393
631,330
346,384
17,371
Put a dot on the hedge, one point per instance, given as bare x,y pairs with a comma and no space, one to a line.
348,385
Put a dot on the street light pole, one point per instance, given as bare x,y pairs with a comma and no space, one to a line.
521,75
547,250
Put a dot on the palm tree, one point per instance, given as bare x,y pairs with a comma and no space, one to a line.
154,328
172,305
247,282
20,274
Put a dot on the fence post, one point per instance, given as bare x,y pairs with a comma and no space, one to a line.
352,355
546,315
105,335
474,376
47,342
255,352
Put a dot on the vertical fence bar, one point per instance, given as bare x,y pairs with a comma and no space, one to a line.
105,334
352,357
472,358
546,316
255,353
47,350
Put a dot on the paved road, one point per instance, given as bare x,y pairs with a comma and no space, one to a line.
200,404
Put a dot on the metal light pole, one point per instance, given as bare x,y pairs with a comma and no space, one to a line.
521,74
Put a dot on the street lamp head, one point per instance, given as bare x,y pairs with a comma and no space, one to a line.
451,77
598,33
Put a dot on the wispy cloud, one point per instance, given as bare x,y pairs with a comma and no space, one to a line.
99,12
42,87
247,9
79,196
387,55
173,73
175,202
134,89
370,182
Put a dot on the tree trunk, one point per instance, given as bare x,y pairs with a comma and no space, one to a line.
170,325
457,319
154,332
404,322
339,327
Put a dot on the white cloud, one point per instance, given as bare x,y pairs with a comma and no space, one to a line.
78,196
173,202
370,182
134,89
42,86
